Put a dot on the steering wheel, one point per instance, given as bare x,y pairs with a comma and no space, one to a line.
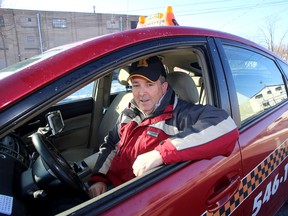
57,163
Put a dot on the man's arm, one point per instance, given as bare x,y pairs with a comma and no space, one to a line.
106,155
213,133
146,162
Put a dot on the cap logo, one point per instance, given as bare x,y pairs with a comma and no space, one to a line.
142,63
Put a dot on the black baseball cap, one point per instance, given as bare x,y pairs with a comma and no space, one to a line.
148,68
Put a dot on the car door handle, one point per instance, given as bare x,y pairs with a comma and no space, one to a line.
220,197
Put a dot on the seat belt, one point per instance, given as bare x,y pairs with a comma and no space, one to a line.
201,91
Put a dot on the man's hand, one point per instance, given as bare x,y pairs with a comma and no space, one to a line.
97,189
146,162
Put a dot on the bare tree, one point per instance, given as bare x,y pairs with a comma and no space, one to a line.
283,51
272,43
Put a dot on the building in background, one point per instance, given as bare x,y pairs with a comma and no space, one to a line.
26,33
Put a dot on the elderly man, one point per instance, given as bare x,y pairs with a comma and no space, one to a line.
159,128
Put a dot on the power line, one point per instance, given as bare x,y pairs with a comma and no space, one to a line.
174,6
231,8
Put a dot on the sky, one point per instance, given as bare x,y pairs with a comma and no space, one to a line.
245,18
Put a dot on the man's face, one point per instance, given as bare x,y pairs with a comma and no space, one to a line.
147,94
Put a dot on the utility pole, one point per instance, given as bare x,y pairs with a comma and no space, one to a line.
39,32
4,48
17,37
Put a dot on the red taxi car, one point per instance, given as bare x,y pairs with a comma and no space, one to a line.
56,108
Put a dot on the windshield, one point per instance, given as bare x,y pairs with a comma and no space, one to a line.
28,62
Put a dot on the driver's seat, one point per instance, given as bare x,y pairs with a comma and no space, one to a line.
119,103
184,86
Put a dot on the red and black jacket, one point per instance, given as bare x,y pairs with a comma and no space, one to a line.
179,130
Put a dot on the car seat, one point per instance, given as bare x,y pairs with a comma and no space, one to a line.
119,103
184,86
109,119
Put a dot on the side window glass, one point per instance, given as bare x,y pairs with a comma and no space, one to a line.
116,86
83,93
258,81
285,69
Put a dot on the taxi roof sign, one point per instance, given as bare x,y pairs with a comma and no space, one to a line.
158,19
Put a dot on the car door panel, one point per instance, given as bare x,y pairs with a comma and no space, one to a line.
77,120
195,184
265,153
263,132
76,133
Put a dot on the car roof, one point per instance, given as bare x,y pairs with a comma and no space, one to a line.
61,60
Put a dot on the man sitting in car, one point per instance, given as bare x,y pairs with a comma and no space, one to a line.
158,128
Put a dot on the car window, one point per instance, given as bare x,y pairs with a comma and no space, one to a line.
83,93
258,81
87,91
285,69
28,62
116,87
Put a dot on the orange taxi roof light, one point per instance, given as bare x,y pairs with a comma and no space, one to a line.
158,19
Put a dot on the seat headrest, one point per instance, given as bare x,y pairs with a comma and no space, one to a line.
123,75
184,86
